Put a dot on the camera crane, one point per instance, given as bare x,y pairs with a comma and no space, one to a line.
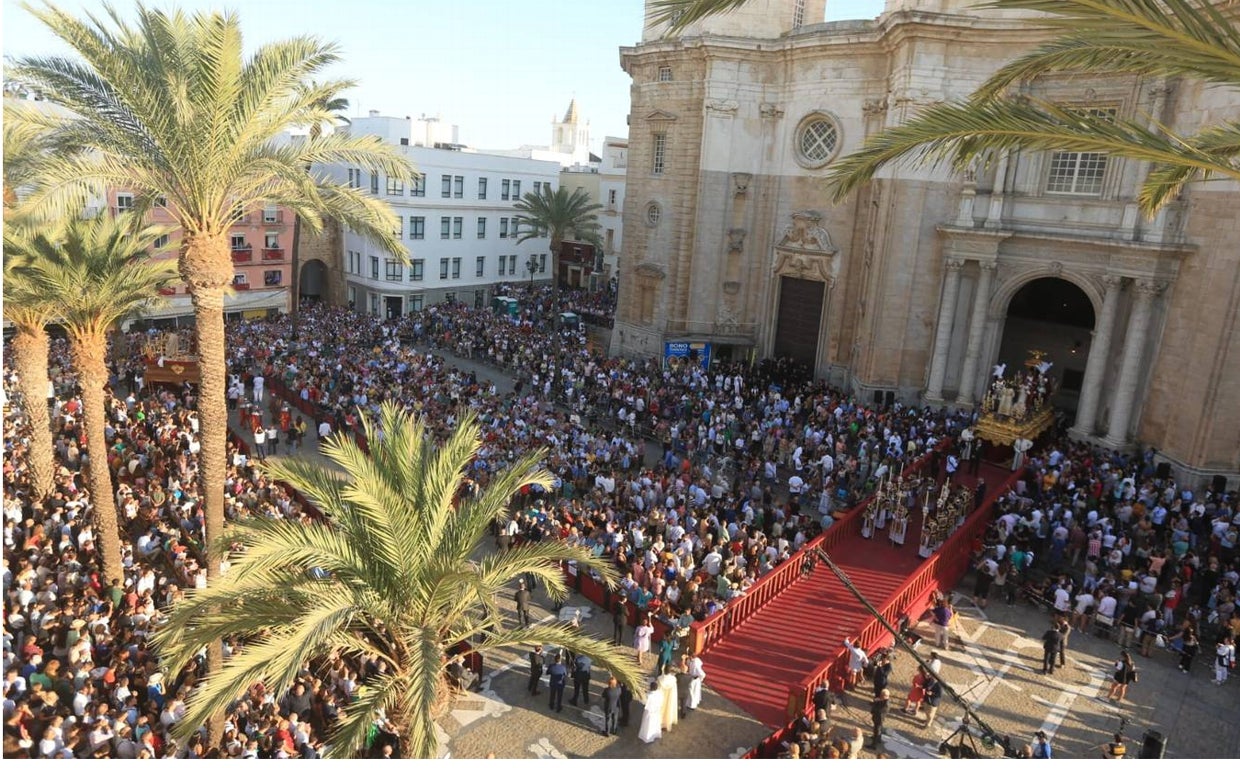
990,737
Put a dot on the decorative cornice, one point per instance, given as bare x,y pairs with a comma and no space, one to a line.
767,109
650,269
722,107
804,233
659,116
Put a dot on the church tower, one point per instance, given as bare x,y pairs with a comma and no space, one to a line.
571,135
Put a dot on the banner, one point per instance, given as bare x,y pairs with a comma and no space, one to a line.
678,353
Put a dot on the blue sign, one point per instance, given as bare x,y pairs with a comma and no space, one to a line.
678,353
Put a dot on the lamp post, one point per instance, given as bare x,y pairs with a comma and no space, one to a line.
532,266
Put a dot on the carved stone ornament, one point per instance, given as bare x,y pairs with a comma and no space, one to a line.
874,107
731,287
767,109
651,270
1149,287
659,116
740,183
1055,268
805,266
736,239
722,106
806,234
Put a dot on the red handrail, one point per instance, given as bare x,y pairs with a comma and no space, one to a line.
706,633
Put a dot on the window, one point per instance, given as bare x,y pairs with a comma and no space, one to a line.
418,188
415,302
416,269
817,138
352,297
458,186
450,297
456,269
542,262
417,227
503,227
273,277
516,189
124,203
660,147
1080,173
798,14
374,267
395,186
445,188
503,266
161,201
482,227
653,214
445,227
611,198
458,227
665,74
160,242
480,298
240,279
271,240
237,241
374,304
481,267
374,182
482,187
538,188
610,244
355,178
504,187
394,270
443,269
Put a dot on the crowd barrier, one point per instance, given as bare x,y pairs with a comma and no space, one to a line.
941,571
706,633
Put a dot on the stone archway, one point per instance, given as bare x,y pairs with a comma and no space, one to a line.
1056,316
313,279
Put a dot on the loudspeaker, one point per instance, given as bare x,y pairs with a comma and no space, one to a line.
1163,471
1219,485
891,397
878,397
1153,746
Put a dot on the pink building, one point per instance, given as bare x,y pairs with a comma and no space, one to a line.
262,261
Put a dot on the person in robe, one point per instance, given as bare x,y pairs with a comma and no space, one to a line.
652,717
671,701
698,673
1020,447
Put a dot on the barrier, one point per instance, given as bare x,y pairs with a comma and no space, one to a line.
708,632
940,571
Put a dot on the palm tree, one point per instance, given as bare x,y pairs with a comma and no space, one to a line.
558,212
91,275
25,309
1169,38
168,107
388,575
335,105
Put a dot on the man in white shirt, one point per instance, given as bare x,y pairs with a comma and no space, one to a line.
259,381
325,430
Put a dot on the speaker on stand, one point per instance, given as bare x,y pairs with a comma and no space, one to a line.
1219,485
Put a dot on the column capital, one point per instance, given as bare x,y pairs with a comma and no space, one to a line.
1149,288
987,266
954,263
1112,280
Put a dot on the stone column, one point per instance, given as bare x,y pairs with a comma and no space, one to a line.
977,324
943,334
1095,366
1130,366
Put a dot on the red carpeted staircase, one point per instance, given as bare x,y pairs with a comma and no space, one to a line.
807,622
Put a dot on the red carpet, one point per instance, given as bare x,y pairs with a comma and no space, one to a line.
806,624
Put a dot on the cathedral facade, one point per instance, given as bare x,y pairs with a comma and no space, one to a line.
916,286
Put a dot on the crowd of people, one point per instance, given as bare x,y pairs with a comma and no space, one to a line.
694,482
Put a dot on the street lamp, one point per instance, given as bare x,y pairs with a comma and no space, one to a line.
532,266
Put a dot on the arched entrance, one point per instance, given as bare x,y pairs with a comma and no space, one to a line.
313,280
1057,317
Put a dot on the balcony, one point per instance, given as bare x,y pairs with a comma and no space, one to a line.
273,254
245,253
240,286
168,291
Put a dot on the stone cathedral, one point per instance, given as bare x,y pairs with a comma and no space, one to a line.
917,285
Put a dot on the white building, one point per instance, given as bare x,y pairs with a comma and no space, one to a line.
458,222
612,172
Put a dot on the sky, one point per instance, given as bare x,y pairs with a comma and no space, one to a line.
499,69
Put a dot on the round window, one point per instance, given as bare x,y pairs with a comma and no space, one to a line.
817,139
653,214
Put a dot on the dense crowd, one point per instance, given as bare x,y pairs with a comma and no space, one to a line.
693,482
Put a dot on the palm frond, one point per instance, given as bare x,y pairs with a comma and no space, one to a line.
680,14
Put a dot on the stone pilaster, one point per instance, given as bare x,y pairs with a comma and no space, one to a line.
1130,367
943,334
1095,366
977,325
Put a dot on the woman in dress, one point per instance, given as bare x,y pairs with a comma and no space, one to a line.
1125,674
916,694
652,717
641,639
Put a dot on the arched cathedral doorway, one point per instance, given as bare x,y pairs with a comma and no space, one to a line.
313,279
1053,315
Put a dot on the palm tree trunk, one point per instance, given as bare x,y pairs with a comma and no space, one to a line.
206,266
294,288
555,273
30,350
89,360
